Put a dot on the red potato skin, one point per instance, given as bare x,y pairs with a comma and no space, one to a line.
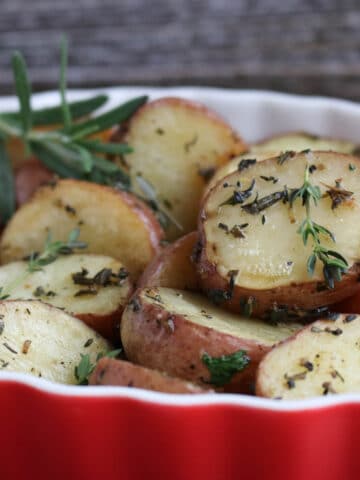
349,305
173,267
109,371
29,177
177,348
309,295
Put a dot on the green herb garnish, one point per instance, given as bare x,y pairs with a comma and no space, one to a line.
223,368
36,261
334,264
85,368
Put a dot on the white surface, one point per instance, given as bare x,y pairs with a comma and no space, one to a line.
256,115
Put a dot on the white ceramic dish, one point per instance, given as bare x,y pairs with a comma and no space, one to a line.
256,115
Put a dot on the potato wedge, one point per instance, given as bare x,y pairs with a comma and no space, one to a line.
299,141
174,331
173,266
177,144
251,247
321,359
118,372
112,223
93,288
44,341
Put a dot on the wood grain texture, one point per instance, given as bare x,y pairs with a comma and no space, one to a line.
297,46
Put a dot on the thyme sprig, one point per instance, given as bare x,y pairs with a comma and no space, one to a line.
36,261
334,264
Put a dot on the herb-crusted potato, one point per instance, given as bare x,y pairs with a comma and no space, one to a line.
320,359
173,266
44,341
112,223
186,336
109,371
177,145
299,141
93,288
253,227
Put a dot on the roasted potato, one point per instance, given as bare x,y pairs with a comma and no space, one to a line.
173,266
44,341
177,332
29,177
321,359
93,288
112,223
177,145
299,141
118,372
252,250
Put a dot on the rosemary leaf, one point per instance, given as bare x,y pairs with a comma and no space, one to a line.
54,115
23,91
110,118
111,148
7,187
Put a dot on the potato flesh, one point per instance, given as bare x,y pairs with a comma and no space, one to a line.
107,223
334,358
56,278
299,141
200,311
273,254
173,141
47,341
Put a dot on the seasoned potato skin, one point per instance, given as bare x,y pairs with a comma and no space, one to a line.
173,266
109,371
149,340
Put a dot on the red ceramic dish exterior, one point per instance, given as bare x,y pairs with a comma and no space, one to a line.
55,436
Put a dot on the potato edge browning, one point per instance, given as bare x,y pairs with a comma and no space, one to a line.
122,373
295,374
309,295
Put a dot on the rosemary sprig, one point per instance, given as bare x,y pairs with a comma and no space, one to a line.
7,188
334,264
36,261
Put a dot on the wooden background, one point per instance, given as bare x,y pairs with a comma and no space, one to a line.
287,45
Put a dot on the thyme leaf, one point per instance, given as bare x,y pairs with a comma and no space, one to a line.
85,367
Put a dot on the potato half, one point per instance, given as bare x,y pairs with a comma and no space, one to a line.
112,223
251,247
44,341
93,288
174,331
173,266
177,145
299,141
118,372
321,359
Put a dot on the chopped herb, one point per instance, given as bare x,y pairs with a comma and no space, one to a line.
2,324
223,368
86,291
312,168
246,305
328,388
263,219
70,209
260,204
6,345
349,318
104,278
239,196
283,157
269,179
246,163
40,292
88,342
85,367
218,296
135,304
191,143
338,195
352,167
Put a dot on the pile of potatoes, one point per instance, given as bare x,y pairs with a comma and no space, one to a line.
219,301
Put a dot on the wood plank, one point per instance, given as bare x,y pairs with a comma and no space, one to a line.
298,46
